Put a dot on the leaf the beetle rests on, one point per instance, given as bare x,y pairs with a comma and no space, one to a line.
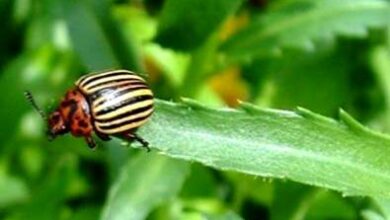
300,146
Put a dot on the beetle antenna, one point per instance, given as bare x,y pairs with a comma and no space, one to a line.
30,98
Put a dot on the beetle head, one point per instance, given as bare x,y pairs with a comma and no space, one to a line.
56,125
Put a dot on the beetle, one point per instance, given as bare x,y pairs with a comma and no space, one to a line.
111,103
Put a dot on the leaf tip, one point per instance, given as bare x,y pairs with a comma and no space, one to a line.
357,127
305,113
351,123
193,104
248,107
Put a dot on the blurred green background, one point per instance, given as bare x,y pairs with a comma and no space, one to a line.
321,55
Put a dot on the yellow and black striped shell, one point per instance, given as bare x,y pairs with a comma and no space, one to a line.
119,101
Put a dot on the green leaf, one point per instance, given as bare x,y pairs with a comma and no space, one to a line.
230,215
97,38
292,201
144,183
296,201
185,25
200,175
301,146
86,213
384,206
48,199
123,46
88,37
380,63
293,85
197,215
371,215
11,81
299,24
249,188
12,189
326,200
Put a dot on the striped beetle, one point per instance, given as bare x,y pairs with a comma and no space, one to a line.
108,103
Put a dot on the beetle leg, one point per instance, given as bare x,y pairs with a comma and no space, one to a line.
133,136
91,143
102,136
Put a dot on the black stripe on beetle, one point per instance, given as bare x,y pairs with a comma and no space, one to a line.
128,102
125,123
127,114
119,93
104,75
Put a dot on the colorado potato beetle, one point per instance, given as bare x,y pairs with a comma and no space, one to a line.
113,103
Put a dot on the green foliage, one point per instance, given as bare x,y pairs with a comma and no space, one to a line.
131,199
300,24
82,22
185,25
250,160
